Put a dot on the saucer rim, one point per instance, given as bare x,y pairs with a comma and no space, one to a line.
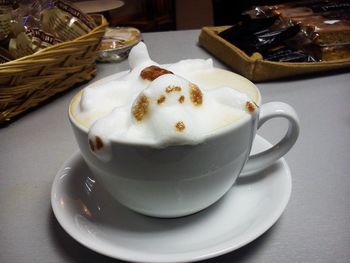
190,256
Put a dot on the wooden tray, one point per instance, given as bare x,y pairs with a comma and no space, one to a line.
255,67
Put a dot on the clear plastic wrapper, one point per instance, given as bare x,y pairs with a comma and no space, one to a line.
65,21
27,26
6,8
31,41
246,27
285,54
327,53
315,28
323,31
259,41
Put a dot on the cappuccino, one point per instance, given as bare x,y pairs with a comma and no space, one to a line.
176,104
207,116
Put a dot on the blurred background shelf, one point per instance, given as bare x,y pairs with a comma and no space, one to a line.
153,15
163,15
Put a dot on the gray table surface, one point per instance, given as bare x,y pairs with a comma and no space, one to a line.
315,227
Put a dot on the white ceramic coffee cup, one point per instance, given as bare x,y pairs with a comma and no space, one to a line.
180,180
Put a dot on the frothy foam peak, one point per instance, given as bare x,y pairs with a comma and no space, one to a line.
158,106
168,111
97,101
138,56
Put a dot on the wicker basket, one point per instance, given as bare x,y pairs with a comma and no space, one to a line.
27,82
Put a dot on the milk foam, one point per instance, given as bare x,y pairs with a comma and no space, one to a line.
169,110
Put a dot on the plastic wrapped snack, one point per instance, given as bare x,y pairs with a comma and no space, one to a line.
27,26
5,18
65,21
327,53
31,41
323,31
310,30
285,54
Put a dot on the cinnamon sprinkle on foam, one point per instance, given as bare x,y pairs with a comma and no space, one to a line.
181,99
153,72
196,95
171,89
140,108
161,99
180,126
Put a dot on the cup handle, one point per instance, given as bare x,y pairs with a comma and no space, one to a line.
262,160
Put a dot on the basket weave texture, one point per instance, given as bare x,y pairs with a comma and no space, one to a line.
29,81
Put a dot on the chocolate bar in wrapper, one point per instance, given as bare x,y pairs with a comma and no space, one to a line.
36,24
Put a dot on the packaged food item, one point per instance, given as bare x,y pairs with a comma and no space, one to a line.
65,21
257,12
31,41
29,12
327,53
323,22
307,30
27,26
341,14
5,18
323,31
117,42
285,54
286,13
246,27
260,41
314,6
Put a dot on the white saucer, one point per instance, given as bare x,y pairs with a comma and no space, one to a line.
98,222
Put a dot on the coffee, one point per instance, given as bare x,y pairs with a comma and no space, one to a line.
181,103
209,117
